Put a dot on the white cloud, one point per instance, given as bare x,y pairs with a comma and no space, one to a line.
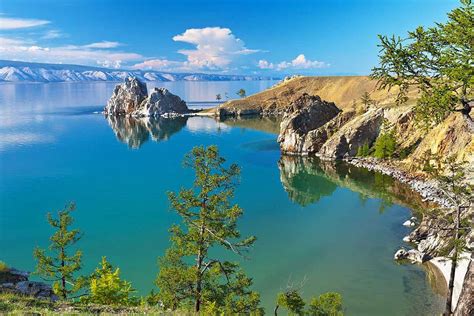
216,48
300,62
263,64
52,34
159,64
15,49
103,44
16,23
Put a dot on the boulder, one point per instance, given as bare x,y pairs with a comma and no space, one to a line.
127,97
11,275
16,281
305,114
361,130
412,255
160,102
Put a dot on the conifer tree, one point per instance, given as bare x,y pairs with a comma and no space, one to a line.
191,275
60,267
436,61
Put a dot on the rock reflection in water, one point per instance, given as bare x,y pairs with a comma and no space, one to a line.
307,179
136,131
303,180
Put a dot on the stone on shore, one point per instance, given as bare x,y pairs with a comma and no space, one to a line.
16,282
307,113
412,255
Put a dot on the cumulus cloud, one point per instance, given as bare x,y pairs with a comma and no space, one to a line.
215,47
300,62
16,23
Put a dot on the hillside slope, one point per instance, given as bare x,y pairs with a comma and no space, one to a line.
343,91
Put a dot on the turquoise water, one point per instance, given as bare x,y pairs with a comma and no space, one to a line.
335,226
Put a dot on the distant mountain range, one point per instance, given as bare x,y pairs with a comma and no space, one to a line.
18,71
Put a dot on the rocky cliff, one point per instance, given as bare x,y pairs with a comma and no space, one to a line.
306,114
131,98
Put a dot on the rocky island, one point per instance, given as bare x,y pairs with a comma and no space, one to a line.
131,99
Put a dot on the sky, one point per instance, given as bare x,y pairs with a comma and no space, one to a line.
318,37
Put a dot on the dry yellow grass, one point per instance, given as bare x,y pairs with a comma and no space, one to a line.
343,91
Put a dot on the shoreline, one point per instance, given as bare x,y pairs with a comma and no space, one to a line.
429,191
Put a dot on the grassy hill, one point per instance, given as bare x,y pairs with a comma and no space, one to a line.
343,91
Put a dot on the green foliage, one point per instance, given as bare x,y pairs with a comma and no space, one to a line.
241,93
435,60
386,143
3,266
60,267
292,301
107,288
327,304
190,277
363,151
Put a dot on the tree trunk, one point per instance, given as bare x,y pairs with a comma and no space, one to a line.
63,278
197,305
452,274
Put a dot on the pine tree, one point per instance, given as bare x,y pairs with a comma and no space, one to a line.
436,61
386,143
366,100
60,267
190,275
106,287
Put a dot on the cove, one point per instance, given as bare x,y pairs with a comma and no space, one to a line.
334,225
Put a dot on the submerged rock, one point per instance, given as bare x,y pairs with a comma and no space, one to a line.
307,113
131,98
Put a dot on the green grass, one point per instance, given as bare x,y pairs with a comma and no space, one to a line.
13,304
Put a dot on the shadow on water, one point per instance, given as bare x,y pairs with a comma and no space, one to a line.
308,179
136,131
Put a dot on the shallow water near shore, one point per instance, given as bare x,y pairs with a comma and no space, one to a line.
337,226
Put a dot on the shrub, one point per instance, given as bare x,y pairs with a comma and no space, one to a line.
107,288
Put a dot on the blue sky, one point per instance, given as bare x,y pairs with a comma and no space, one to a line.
242,37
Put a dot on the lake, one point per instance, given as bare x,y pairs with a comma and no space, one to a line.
333,225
